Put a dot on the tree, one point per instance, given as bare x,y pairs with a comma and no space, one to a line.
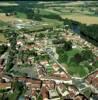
87,54
41,35
58,41
3,49
38,11
4,96
67,45
77,58
12,36
18,88
63,58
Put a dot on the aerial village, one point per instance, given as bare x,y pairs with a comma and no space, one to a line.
38,64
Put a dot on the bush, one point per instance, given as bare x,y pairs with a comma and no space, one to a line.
67,45
3,48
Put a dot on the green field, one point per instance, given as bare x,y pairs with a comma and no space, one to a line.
74,68
51,13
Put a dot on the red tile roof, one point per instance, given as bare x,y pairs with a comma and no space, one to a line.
93,79
5,85
44,92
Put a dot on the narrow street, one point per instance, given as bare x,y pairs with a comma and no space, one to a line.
54,59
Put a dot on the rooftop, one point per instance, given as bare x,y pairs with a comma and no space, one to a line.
5,85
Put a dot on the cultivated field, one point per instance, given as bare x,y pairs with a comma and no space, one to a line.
82,18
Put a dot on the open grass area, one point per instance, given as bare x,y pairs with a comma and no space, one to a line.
72,52
72,67
65,56
80,71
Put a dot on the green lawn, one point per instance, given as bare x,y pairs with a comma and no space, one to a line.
73,68
68,54
77,70
72,52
